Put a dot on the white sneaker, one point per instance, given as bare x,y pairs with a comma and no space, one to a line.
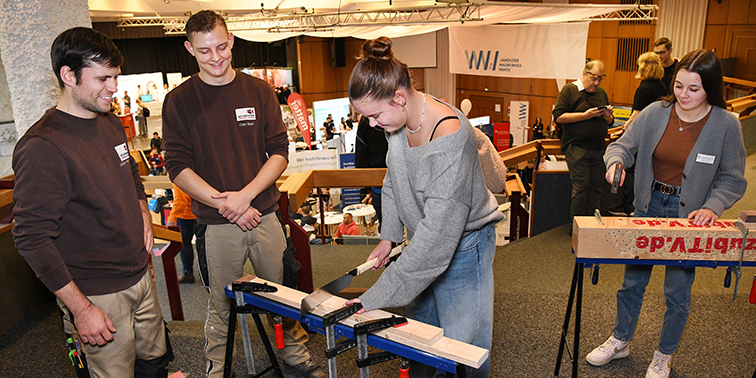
660,366
610,350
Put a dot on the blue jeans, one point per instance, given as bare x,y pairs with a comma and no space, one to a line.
461,299
677,284
187,252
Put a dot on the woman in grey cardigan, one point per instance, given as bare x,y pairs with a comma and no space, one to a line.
434,188
690,164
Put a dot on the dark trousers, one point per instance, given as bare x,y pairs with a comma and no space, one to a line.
187,251
587,176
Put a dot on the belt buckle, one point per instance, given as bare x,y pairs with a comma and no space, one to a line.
667,189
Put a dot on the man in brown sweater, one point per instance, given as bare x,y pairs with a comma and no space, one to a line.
81,214
226,145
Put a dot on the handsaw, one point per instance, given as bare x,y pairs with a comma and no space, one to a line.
324,293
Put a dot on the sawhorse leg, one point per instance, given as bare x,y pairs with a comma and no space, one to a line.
577,287
228,365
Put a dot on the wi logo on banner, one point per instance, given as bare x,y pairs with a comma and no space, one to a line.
477,59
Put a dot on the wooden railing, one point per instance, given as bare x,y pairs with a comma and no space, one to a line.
745,105
6,198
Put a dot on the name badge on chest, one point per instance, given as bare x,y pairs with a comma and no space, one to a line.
706,159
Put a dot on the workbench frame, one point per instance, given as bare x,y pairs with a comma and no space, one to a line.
315,323
576,294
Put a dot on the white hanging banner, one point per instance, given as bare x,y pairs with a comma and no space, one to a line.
543,51
518,118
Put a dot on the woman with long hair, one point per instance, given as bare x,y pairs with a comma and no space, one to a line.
434,187
690,164
538,129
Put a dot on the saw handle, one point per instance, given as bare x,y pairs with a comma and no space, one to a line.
618,169
728,278
371,263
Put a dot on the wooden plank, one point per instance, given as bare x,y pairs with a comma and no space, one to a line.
417,335
660,239
514,184
162,232
746,83
156,182
6,197
298,186
349,178
5,228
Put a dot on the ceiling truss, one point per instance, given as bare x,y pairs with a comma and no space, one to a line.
304,20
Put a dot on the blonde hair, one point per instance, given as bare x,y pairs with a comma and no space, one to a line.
649,67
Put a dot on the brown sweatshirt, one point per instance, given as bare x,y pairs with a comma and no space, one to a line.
225,134
77,213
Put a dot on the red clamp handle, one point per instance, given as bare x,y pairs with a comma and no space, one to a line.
278,327
752,297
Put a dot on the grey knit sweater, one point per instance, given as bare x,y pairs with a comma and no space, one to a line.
715,186
438,193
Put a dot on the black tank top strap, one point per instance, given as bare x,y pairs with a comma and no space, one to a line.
439,122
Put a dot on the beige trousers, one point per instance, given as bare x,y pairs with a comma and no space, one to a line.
140,332
228,248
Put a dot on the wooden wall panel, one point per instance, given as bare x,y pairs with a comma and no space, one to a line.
717,12
741,43
752,13
714,38
738,12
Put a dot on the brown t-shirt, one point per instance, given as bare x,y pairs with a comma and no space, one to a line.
77,212
225,134
674,148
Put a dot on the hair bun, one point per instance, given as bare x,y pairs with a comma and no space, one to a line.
379,49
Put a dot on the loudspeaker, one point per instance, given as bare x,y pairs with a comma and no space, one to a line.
338,55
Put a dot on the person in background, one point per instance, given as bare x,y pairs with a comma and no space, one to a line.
526,175
538,129
690,164
651,89
434,174
229,168
115,106
126,102
343,126
663,48
329,127
82,221
156,162
582,108
181,216
156,141
370,149
141,119
347,227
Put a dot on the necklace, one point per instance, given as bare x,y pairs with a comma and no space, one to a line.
681,128
422,117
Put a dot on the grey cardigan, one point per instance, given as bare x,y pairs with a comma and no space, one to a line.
438,193
713,185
